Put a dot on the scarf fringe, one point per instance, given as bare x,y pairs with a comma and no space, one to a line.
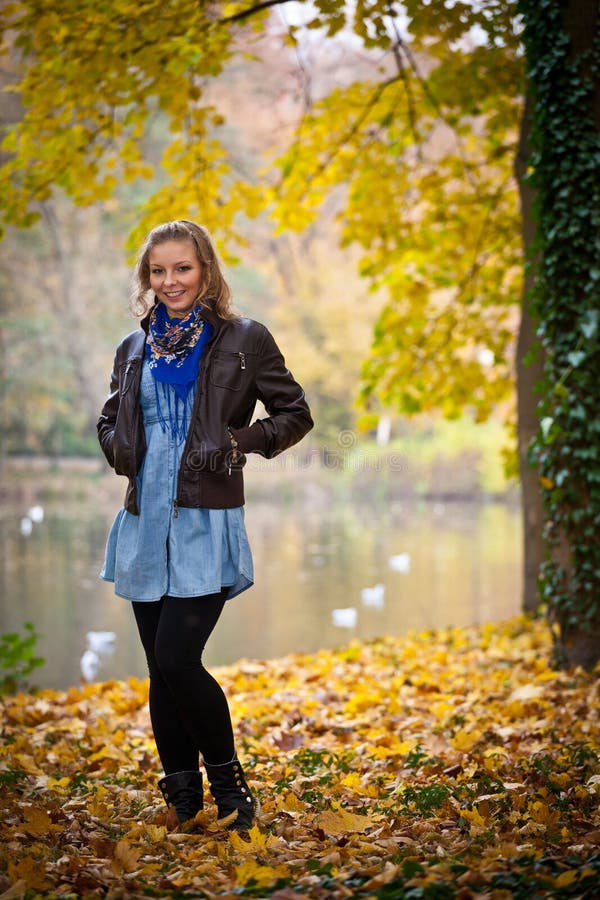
178,410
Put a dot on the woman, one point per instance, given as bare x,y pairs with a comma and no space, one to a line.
177,423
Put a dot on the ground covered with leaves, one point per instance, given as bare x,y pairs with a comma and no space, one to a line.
454,763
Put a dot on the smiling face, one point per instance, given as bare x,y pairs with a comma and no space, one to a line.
175,276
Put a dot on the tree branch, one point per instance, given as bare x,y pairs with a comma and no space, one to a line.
252,11
352,130
410,100
436,105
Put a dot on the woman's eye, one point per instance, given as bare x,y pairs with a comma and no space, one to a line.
155,271
184,268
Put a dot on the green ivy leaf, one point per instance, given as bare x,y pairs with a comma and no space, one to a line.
545,426
589,323
576,357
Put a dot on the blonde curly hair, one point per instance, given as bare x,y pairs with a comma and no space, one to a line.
214,292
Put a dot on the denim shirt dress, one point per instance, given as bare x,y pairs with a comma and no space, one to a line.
162,551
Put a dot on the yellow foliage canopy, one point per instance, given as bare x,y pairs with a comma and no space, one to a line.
422,150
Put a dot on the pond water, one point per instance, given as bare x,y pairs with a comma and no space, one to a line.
328,568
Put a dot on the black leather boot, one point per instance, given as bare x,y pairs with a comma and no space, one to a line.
232,794
183,795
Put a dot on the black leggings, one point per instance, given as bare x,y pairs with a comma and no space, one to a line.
188,708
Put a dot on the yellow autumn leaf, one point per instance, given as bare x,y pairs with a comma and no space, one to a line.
155,833
291,804
541,813
473,816
442,708
261,875
58,784
566,878
465,740
340,821
28,870
28,764
111,752
126,857
514,709
254,841
560,780
581,793
494,758
547,674
97,808
357,785
38,822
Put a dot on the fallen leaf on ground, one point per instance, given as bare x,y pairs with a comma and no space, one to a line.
452,763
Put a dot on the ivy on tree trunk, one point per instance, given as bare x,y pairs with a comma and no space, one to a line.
562,43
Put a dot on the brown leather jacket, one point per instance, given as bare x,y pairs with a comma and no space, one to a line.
240,365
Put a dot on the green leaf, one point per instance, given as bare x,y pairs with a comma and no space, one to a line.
545,426
576,357
589,323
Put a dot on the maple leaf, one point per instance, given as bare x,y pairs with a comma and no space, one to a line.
27,870
125,858
38,822
339,821
155,833
260,875
465,740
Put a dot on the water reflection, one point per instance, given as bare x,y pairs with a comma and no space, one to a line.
429,565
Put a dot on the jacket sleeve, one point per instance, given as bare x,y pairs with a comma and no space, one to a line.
288,418
108,416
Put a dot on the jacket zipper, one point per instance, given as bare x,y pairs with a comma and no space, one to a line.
175,508
242,357
123,387
134,426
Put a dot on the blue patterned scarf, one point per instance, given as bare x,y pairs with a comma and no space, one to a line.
173,350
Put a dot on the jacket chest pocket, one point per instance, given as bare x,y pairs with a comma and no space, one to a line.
229,369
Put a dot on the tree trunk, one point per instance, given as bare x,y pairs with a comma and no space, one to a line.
529,374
